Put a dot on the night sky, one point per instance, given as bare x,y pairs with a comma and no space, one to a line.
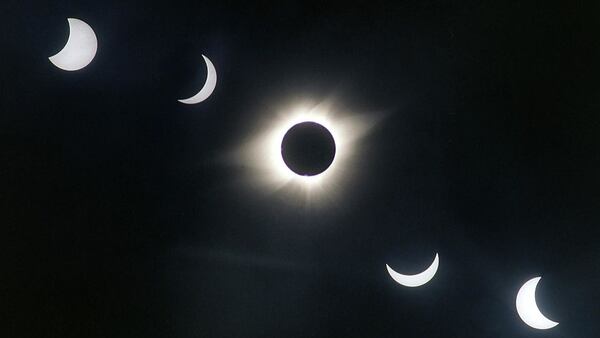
121,215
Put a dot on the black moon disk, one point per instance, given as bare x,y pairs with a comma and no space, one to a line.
308,148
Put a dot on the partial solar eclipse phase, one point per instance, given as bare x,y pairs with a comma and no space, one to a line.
417,279
527,307
80,48
308,149
209,84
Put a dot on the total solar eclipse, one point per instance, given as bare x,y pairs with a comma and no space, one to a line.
308,148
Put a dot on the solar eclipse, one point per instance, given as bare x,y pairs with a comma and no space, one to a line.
306,152
528,309
114,169
80,48
207,88
418,279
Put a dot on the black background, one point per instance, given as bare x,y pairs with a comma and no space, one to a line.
117,219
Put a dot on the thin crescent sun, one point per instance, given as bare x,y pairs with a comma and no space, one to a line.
209,84
416,279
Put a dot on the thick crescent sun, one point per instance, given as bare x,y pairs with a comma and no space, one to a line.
80,48
527,307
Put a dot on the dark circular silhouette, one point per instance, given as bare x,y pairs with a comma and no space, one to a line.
308,148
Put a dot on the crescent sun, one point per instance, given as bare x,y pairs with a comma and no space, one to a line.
528,309
209,85
417,279
80,48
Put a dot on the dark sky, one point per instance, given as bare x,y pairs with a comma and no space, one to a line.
119,220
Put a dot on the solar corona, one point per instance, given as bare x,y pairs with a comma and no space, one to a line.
303,151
